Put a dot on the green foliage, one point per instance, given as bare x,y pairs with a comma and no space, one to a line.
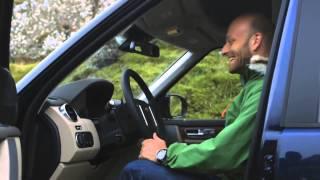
208,88
19,70
16,2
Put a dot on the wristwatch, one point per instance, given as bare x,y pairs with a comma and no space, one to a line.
161,155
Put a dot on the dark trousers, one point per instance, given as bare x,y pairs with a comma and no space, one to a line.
148,170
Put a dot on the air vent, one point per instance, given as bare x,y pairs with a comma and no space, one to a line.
68,112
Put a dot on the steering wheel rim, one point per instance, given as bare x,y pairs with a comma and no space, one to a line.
143,113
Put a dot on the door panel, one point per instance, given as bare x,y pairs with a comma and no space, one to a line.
192,131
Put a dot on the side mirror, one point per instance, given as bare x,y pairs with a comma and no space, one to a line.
178,105
139,47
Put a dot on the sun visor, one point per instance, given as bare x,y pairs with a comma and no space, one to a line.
184,24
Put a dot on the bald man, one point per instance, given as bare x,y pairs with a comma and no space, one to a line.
247,46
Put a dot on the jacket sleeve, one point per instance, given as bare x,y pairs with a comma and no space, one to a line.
227,151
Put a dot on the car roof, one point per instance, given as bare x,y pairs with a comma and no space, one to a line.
197,25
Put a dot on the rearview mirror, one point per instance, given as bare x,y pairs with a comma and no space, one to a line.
139,47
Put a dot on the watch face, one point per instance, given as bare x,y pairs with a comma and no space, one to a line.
161,155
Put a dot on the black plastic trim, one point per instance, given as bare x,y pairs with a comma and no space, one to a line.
5,17
50,153
199,122
8,131
8,98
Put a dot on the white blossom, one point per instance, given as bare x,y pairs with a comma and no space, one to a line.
39,26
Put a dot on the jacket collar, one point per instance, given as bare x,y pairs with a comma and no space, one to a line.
255,70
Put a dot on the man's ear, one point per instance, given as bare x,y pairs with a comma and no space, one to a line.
255,41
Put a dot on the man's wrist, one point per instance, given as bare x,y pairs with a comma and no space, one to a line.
161,156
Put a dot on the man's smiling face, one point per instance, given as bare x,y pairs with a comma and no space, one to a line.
236,47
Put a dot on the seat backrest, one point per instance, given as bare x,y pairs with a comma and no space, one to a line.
10,145
8,98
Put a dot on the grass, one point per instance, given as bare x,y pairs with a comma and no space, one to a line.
18,70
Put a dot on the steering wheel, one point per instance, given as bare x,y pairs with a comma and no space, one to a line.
144,113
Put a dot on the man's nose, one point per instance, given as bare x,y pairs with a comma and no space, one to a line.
225,49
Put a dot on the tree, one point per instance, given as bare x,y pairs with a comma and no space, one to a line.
39,26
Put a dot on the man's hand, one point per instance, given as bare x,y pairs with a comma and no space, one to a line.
150,147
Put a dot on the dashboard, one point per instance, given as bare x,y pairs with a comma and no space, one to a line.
88,97
87,124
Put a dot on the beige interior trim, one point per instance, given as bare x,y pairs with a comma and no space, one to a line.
19,151
70,152
77,171
6,161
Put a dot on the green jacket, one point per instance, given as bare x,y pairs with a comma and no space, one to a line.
228,151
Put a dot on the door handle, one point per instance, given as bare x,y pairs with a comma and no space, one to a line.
200,132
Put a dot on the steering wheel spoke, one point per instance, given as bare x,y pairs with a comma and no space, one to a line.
144,113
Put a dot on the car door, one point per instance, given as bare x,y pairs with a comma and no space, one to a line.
10,148
287,143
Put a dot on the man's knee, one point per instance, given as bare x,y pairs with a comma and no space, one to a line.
139,169
139,165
